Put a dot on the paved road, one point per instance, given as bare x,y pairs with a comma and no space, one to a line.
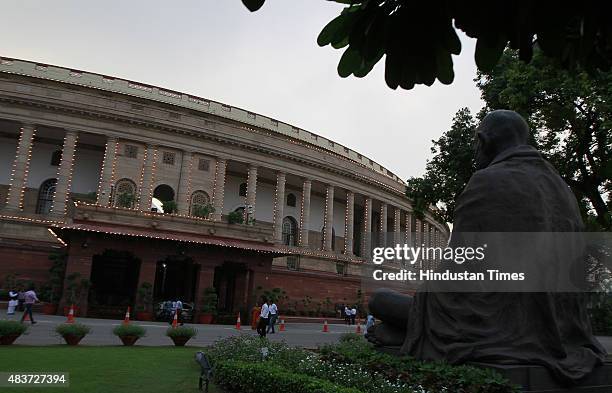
307,335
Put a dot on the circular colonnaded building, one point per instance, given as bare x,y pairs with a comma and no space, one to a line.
89,161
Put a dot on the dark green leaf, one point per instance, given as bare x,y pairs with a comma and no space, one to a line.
349,62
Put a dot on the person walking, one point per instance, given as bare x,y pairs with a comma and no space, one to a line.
29,300
264,316
13,303
353,315
347,315
273,318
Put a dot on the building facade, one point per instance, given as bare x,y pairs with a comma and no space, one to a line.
250,203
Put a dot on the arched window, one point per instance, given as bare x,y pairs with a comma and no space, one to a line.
56,158
243,190
125,193
290,229
200,204
291,200
164,193
45,196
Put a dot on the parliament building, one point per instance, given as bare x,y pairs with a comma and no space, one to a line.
136,183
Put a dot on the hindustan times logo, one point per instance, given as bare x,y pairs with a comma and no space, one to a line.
405,253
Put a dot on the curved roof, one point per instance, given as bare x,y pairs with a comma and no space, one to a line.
154,93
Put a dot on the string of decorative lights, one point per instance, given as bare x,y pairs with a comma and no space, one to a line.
63,179
26,137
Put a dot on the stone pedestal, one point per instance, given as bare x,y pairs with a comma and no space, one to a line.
537,379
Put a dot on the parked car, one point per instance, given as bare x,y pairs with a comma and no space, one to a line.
164,311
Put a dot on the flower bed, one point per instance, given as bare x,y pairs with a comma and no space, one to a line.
247,363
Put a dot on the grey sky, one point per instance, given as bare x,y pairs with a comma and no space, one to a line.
267,62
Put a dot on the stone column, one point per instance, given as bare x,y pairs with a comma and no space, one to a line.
148,177
408,228
64,174
366,237
219,188
21,164
107,173
383,224
279,206
204,279
305,214
183,198
249,211
328,222
397,225
349,222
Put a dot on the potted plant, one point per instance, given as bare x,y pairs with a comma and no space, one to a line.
126,200
181,334
52,290
129,333
10,331
235,218
72,333
169,207
202,211
145,302
209,306
77,288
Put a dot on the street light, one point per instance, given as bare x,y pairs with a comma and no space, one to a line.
163,279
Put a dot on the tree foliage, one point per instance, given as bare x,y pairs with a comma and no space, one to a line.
570,114
448,171
418,38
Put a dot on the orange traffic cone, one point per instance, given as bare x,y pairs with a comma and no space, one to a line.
26,316
238,322
126,320
175,320
70,315
282,326
325,327
358,330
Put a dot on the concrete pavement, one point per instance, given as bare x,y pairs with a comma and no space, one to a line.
307,335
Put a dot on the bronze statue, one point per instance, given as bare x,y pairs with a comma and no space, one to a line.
513,190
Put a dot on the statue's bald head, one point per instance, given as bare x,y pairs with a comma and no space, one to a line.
499,130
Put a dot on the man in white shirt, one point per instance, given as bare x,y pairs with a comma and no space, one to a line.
353,315
347,315
273,317
264,316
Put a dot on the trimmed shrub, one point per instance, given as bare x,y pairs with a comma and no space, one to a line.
8,328
264,377
72,329
129,330
181,331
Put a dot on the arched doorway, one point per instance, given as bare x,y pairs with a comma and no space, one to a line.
45,196
175,279
114,278
164,193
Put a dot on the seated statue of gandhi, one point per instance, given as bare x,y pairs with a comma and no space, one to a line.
513,190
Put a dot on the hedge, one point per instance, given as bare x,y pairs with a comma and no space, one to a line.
431,376
266,377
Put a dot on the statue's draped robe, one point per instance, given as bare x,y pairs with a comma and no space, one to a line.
518,192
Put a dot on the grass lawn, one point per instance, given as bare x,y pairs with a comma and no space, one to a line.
108,369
